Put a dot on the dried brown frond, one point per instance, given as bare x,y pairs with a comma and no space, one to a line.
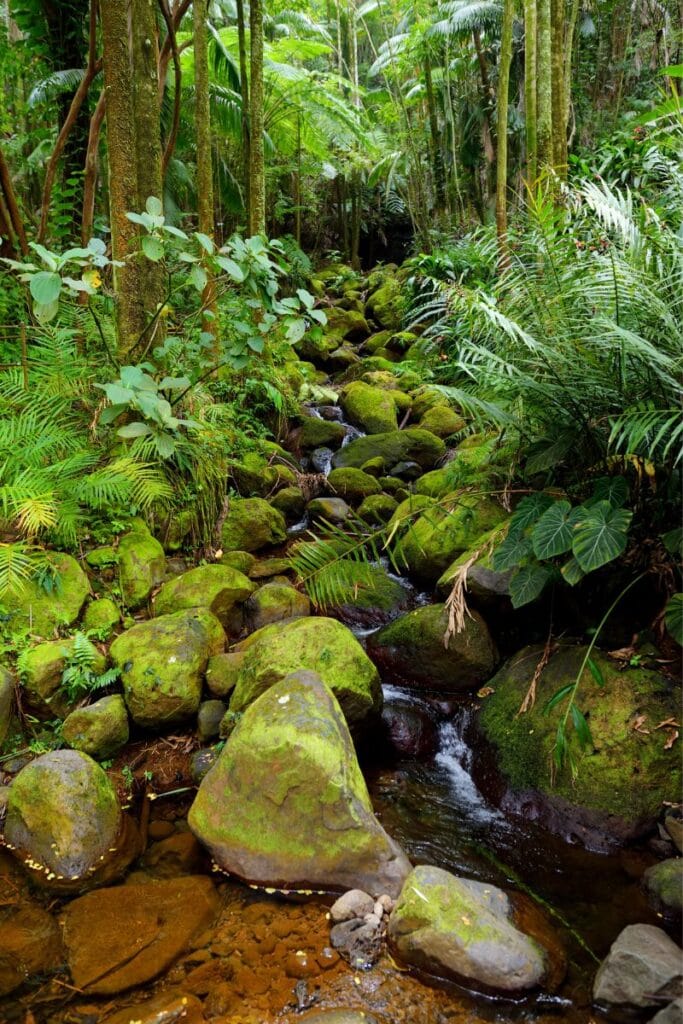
530,696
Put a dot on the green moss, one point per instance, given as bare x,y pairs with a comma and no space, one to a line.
274,602
376,341
216,587
377,509
664,884
32,608
222,671
370,408
252,524
386,305
99,729
102,616
627,773
353,484
142,564
242,561
347,323
396,446
319,433
442,421
102,558
41,669
6,702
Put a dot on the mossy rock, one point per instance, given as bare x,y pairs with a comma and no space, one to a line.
100,729
162,663
396,446
374,467
461,929
315,347
102,558
41,669
341,358
442,421
621,779
427,397
332,510
353,484
266,568
252,524
376,598
216,587
322,645
347,323
142,563
413,648
400,341
274,602
6,702
32,608
377,509
209,718
387,355
375,342
286,804
443,532
381,379
222,671
64,823
372,409
318,433
438,482
663,883
386,306
485,585
390,484
242,561
102,616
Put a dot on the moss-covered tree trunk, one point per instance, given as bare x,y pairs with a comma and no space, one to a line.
437,152
202,113
530,86
557,84
502,129
544,89
257,167
244,88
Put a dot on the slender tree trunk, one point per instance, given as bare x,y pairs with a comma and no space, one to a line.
244,88
544,90
11,202
437,153
559,126
91,169
502,130
200,14
530,86
177,83
297,183
568,51
257,167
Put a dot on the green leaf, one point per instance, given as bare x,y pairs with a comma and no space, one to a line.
118,395
174,383
511,552
165,445
112,413
46,312
45,287
50,259
673,542
231,268
596,672
527,583
582,728
136,429
176,232
553,533
558,696
138,218
529,510
256,343
98,246
198,277
154,207
295,331
572,572
613,489
601,536
306,298
205,242
152,247
673,617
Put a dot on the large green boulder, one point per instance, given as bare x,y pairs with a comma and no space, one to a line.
286,804
485,585
216,587
41,669
32,608
290,501
274,602
412,445
348,324
252,524
315,432
438,536
386,305
319,644
442,421
6,702
464,930
142,563
64,822
413,648
100,729
162,663
372,409
620,779
102,616
352,484
377,509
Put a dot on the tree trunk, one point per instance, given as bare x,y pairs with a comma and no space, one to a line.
544,90
437,154
257,169
91,169
244,88
200,13
10,198
530,86
559,124
502,130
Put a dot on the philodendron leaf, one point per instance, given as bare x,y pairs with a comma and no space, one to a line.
673,617
527,583
613,489
601,536
511,552
553,533
529,510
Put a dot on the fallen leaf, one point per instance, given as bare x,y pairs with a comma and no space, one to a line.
668,723
622,653
485,691
673,736
638,724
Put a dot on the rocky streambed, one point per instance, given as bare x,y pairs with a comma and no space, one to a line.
181,857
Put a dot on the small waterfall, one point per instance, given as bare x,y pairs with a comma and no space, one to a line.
455,756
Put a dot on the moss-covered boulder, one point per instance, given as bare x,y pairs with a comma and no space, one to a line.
461,929
6,702
386,305
663,884
222,671
100,729
142,564
216,587
243,561
319,644
442,421
413,648
274,602
438,482
332,510
372,409
209,718
162,664
64,822
315,347
286,804
353,484
41,669
347,324
315,432
290,501
376,342
444,531
374,598
621,778
102,617
377,509
396,446
102,558
34,609
485,585
252,524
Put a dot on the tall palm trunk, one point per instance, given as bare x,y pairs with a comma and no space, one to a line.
437,152
257,167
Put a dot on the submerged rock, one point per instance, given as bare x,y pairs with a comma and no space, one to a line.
411,731
338,1017
162,663
162,1009
65,824
216,587
30,944
621,779
252,524
643,967
142,563
99,729
412,647
286,804
123,937
455,928
319,644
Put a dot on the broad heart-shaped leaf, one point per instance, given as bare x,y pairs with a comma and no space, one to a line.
256,343
553,533
529,510
601,535
572,572
118,395
152,248
673,617
136,429
165,444
295,331
175,383
154,206
135,377
44,312
98,246
45,287
613,489
205,242
112,412
527,583
511,552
